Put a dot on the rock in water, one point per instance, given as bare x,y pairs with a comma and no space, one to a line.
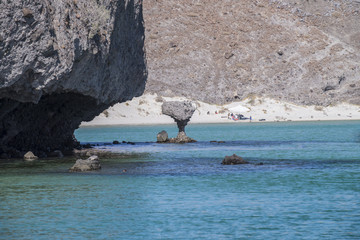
29,156
64,62
234,159
162,137
181,112
181,138
90,164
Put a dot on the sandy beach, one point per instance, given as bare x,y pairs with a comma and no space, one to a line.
147,110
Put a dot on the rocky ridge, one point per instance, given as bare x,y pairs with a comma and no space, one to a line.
305,52
63,62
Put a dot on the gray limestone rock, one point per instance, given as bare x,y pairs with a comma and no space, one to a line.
64,62
162,137
29,156
181,112
90,164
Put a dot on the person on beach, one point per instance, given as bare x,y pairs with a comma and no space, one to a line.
250,118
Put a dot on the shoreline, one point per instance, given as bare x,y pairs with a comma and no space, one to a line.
224,123
146,110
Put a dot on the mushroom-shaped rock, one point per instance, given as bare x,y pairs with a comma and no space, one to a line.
162,137
90,164
234,159
181,112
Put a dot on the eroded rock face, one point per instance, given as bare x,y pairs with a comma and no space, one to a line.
181,112
63,62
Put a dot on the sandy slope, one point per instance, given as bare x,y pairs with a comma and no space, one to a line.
147,110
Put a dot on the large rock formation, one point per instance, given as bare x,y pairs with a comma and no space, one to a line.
302,51
63,62
181,112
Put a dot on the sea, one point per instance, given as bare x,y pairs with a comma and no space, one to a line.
302,182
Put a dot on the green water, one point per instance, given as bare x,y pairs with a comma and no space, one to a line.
308,187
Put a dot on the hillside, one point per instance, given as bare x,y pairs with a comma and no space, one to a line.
305,52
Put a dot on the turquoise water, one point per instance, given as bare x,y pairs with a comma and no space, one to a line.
308,187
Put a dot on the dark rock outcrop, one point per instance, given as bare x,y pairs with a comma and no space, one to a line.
90,164
64,62
181,112
233,160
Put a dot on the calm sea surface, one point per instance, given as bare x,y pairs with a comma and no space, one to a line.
308,187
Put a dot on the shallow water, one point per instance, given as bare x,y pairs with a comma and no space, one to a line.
308,187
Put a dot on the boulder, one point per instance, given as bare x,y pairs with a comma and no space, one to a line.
233,160
29,156
162,137
90,164
181,112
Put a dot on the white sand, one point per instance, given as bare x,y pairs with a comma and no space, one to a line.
147,110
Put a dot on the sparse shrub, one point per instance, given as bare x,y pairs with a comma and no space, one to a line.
192,14
318,108
287,108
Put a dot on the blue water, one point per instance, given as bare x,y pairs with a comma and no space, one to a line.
308,187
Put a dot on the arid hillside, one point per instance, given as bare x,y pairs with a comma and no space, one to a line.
302,51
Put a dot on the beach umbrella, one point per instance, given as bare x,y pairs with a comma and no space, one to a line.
239,109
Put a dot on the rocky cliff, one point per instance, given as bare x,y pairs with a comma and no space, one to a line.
302,51
63,62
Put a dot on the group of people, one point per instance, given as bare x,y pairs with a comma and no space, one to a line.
236,117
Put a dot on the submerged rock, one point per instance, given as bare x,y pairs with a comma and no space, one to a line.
181,112
64,62
90,164
233,160
29,156
162,137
